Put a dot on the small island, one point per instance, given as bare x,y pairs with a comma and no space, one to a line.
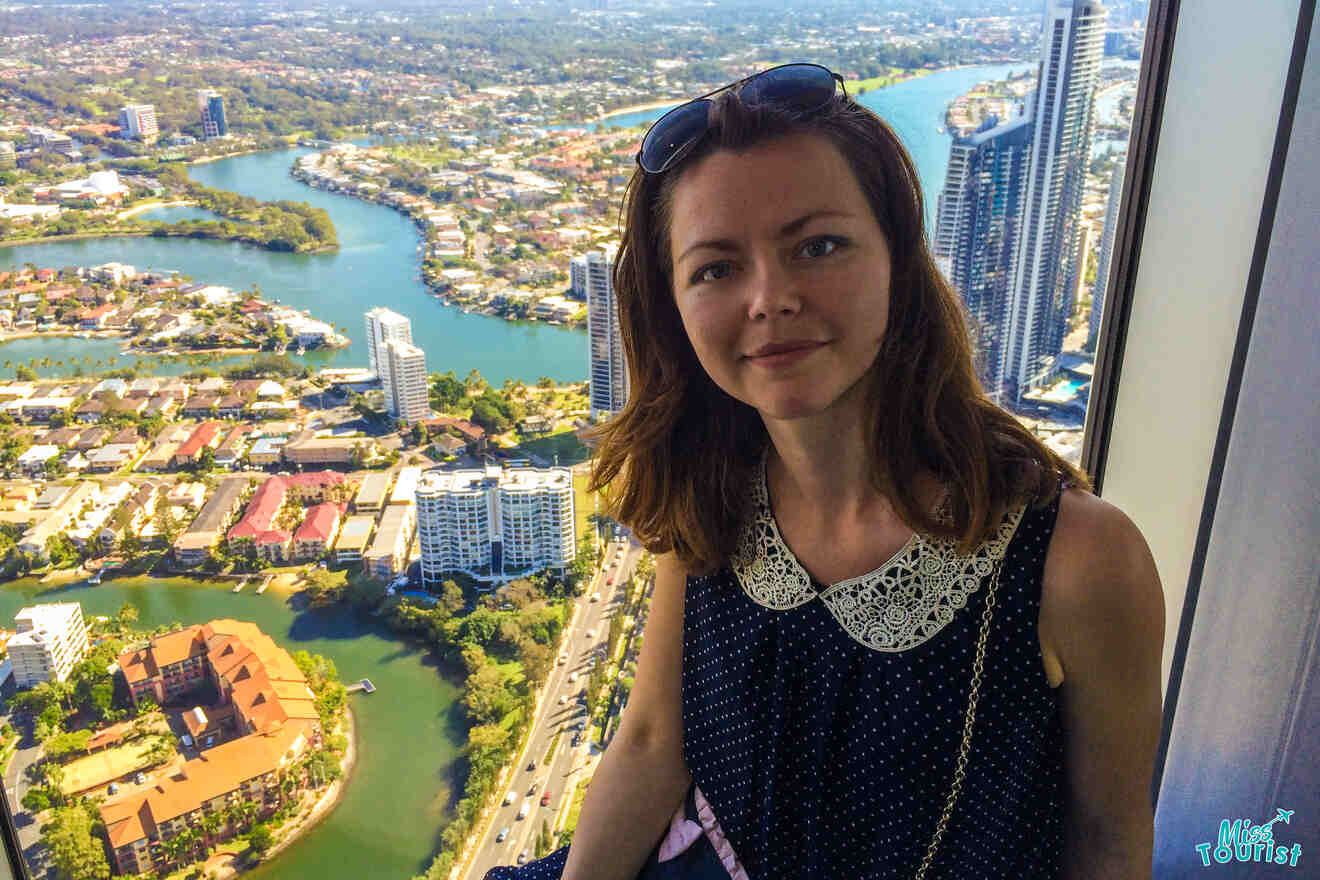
155,313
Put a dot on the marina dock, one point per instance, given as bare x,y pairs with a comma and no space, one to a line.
264,584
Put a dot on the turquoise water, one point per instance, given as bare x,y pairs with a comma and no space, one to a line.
175,213
377,263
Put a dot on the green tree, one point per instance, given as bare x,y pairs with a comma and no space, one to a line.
127,615
260,840
76,854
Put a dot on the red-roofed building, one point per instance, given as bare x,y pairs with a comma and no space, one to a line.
266,709
317,532
46,274
258,522
94,319
207,434
318,486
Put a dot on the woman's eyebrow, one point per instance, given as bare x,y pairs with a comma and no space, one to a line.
790,228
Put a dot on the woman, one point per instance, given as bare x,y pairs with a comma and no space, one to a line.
888,639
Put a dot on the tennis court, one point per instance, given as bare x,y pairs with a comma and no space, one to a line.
95,770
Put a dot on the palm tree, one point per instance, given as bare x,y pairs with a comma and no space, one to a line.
8,364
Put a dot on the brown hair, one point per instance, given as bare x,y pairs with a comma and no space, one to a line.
677,460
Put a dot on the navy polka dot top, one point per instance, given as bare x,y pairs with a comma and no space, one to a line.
827,746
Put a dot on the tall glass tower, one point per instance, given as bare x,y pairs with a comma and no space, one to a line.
211,105
1049,259
606,366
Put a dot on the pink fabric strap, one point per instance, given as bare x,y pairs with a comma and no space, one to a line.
683,832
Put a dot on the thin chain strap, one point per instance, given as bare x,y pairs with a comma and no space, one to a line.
960,770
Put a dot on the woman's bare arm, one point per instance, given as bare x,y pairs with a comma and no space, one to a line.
642,777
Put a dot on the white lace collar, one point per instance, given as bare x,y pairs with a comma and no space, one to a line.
900,605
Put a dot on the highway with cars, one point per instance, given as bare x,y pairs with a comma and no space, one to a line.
541,787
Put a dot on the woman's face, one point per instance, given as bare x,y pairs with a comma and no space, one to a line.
775,245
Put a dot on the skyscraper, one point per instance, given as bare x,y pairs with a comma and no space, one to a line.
1009,215
980,214
382,326
606,367
1104,256
211,105
1049,256
403,376
138,121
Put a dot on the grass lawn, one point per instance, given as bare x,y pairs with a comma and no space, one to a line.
895,74
565,444
575,806
550,752
582,507
108,765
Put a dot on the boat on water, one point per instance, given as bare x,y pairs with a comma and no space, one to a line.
300,351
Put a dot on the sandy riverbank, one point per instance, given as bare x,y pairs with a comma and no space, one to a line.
138,209
77,236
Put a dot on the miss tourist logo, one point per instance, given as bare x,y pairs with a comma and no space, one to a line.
1240,841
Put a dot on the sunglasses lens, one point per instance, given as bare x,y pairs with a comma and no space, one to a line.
796,86
671,133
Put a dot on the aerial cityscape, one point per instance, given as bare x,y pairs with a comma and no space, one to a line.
304,312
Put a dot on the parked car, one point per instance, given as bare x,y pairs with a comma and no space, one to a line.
140,779
522,857
504,832
113,788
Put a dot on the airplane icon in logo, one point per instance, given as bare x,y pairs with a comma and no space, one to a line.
1284,815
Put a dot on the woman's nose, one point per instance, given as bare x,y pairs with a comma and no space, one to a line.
774,290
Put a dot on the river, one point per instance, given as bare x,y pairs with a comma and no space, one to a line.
409,732
377,263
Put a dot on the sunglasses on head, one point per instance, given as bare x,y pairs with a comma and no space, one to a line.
798,87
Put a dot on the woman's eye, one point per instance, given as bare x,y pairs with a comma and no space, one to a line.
713,272
821,247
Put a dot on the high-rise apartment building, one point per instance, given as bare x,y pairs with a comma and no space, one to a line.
51,640
1049,253
980,212
403,376
138,121
1009,228
494,523
8,157
211,104
1105,254
606,366
382,326
577,278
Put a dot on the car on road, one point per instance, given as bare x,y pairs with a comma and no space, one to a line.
572,677
610,582
545,799
140,779
563,658
113,788
510,798
532,790
595,597
591,633
563,698
531,765
525,809
577,740
504,832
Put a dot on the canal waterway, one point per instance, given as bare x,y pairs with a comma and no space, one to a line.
409,732
378,264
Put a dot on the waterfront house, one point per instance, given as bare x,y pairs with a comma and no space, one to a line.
117,387
373,493
354,536
95,318
266,451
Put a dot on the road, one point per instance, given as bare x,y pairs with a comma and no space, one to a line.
16,785
568,764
